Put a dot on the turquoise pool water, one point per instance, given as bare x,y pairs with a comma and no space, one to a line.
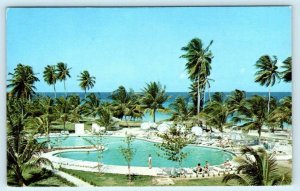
112,155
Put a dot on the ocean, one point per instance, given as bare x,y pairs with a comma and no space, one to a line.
104,96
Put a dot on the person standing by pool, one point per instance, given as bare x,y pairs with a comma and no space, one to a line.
150,161
206,168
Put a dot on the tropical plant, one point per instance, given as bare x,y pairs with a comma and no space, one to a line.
236,100
207,83
283,112
45,113
50,76
63,72
216,112
193,94
198,66
105,118
258,167
154,95
121,102
22,148
92,105
180,109
86,81
253,115
286,75
128,153
69,111
218,97
22,82
173,143
267,73
97,142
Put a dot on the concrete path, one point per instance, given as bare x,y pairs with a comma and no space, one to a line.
73,179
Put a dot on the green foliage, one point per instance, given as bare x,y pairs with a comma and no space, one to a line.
91,105
236,100
173,143
180,109
259,169
198,66
126,104
154,95
50,76
267,73
128,152
216,113
22,82
253,114
22,148
63,72
97,142
105,118
286,75
68,109
86,81
282,113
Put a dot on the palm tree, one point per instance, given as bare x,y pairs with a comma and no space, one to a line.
218,97
121,102
23,156
216,112
45,113
283,113
22,81
86,81
91,105
154,95
22,148
193,94
207,82
69,109
198,66
105,118
267,73
287,73
63,73
180,109
259,169
253,114
236,100
50,76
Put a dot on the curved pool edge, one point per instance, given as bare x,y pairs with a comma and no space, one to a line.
114,169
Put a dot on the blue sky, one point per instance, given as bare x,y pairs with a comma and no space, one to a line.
133,46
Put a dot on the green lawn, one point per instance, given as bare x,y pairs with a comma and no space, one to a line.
39,177
110,179
54,181
121,180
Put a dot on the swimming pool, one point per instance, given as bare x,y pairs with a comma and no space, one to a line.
112,155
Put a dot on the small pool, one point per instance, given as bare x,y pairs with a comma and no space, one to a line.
112,155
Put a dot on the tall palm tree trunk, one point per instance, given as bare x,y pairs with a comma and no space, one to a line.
154,111
269,99
259,134
65,88
198,94
54,91
204,95
209,94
